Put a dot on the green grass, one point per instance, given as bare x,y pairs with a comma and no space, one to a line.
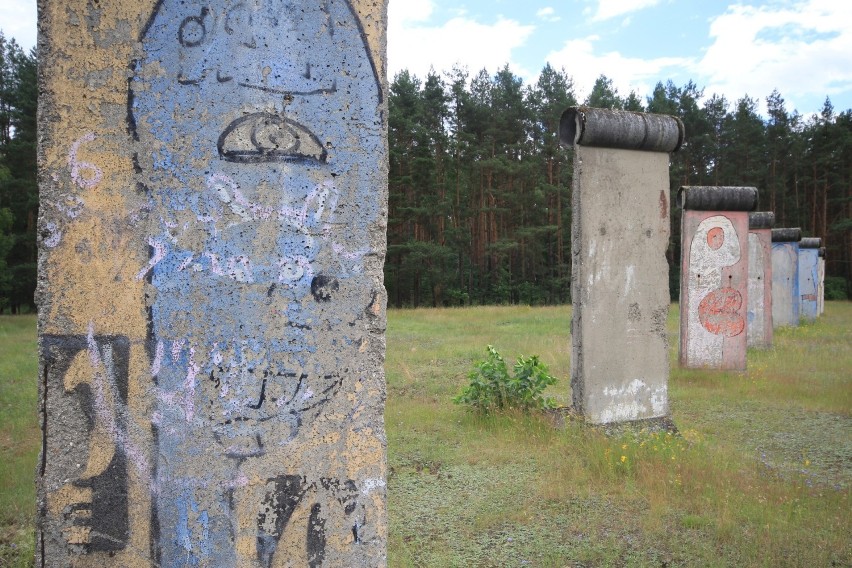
758,476
20,439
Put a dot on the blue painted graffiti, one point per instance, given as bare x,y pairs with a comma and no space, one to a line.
251,121
808,282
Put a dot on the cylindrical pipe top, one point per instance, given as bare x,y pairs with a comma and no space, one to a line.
717,198
627,130
786,235
822,252
810,243
761,220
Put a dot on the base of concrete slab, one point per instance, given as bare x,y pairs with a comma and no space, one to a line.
559,417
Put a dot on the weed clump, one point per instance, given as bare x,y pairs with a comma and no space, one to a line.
492,388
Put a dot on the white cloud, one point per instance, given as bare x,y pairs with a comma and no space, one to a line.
416,44
579,59
547,14
409,11
800,49
18,20
608,9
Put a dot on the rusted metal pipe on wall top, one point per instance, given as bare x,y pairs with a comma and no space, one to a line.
627,130
619,275
211,299
714,275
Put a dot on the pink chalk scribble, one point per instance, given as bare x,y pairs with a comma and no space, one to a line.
185,263
158,358
108,409
177,347
159,254
55,235
293,268
189,383
78,168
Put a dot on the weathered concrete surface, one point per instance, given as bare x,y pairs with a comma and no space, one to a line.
619,290
809,278
821,287
785,277
714,277
759,316
212,313
619,284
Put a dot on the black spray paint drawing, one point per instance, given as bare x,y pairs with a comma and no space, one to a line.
93,371
251,120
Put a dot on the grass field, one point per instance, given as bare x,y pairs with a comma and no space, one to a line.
758,475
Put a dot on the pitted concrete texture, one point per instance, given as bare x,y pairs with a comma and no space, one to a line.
821,286
620,292
714,289
212,310
785,284
808,283
759,324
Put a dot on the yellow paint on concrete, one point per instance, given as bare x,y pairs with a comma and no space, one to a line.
93,272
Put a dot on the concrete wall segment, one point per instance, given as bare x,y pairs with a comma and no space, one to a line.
785,282
759,322
714,289
759,326
809,280
619,285
172,294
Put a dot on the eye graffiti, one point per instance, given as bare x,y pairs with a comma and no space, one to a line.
266,137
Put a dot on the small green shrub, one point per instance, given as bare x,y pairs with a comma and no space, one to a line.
492,388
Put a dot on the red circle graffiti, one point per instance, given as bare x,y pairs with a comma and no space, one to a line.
718,312
715,237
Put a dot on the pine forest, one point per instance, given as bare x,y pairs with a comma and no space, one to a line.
480,189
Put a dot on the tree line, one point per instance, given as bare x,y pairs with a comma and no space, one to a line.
480,188
18,176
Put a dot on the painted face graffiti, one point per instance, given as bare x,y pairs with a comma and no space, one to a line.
250,119
715,308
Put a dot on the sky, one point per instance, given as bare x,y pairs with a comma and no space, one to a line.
803,48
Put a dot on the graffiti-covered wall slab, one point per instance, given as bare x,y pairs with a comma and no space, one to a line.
714,276
821,286
620,292
809,278
785,276
759,320
212,311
